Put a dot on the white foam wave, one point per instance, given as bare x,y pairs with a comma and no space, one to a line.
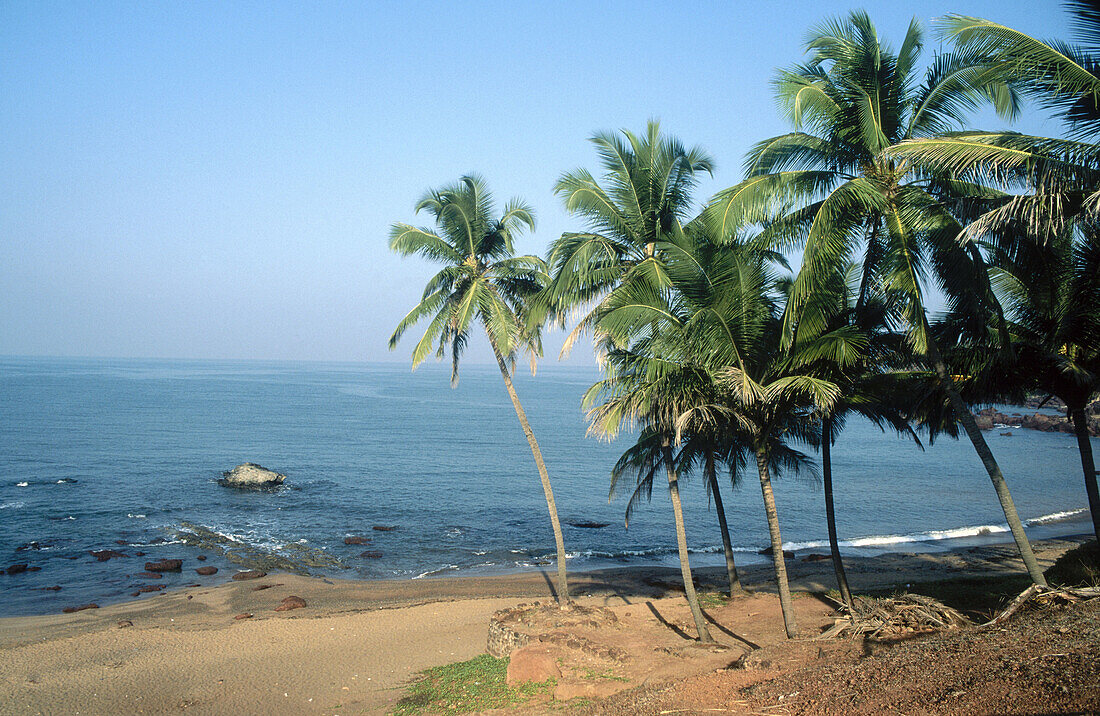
1064,516
441,570
22,484
135,516
12,505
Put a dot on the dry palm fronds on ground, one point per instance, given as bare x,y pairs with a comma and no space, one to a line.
1043,595
892,617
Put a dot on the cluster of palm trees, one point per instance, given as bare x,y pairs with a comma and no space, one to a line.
718,358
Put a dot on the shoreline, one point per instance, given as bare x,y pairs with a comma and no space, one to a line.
357,643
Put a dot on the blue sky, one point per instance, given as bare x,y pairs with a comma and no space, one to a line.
216,180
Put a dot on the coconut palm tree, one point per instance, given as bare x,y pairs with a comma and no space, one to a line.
642,388
1042,240
705,453
834,188
643,198
870,386
481,281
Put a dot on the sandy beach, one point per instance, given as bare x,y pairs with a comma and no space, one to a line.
356,644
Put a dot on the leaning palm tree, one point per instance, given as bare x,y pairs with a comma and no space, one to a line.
834,188
481,281
705,452
1042,239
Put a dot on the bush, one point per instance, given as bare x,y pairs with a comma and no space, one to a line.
1079,566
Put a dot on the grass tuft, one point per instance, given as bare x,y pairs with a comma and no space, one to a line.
475,685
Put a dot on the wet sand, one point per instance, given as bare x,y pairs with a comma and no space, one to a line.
356,643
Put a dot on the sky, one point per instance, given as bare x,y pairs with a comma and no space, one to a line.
216,180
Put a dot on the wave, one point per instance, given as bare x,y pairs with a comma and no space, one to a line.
1055,517
12,505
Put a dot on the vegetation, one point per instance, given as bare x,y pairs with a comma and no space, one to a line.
466,687
720,357
481,280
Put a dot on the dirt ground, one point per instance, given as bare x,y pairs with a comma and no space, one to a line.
1045,660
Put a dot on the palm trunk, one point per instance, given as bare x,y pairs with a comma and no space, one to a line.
830,513
964,416
777,546
727,546
563,586
682,548
1088,466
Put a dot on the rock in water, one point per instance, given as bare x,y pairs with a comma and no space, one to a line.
207,571
165,565
251,475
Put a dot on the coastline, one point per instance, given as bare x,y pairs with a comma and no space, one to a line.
356,641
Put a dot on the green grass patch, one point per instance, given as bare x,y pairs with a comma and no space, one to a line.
712,600
475,685
606,675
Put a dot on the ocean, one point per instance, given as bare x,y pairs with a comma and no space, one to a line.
126,455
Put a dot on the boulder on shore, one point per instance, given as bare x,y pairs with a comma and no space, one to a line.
250,474
165,565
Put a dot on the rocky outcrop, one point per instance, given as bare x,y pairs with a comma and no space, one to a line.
289,603
82,607
249,574
533,663
105,554
989,418
250,474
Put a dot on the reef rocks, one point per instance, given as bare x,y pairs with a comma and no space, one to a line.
251,475
165,565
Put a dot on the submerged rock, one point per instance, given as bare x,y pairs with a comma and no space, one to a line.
588,525
250,474
165,565
384,528
357,540
105,554
17,569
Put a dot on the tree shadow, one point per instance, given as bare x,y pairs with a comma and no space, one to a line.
679,632
728,632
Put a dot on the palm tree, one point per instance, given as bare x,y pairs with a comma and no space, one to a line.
1042,240
481,280
643,200
834,187
869,386
643,388
702,452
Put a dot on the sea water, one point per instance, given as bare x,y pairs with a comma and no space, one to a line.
118,454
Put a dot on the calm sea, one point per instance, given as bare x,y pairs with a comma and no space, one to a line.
118,454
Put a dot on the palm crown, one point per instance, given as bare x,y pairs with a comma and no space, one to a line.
481,278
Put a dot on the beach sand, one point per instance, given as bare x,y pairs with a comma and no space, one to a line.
356,644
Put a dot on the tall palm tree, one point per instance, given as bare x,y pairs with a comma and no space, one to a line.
834,188
643,199
1042,239
483,281
869,386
